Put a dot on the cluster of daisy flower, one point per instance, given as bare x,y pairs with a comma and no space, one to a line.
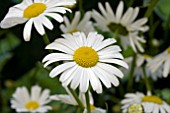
89,60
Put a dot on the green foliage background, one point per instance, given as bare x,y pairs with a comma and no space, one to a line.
20,62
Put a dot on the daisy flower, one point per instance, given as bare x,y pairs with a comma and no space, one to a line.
69,99
124,24
35,12
78,24
147,103
161,61
36,101
143,59
87,60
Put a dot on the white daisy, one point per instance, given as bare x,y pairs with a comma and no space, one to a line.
87,61
36,101
69,99
150,103
161,61
141,60
35,12
125,25
78,24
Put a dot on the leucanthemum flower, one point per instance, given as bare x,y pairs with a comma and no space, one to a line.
69,99
147,103
34,102
124,24
86,61
161,61
78,24
35,12
141,60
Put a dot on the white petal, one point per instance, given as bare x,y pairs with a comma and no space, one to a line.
111,69
102,75
59,69
35,93
55,16
116,61
84,83
27,30
119,11
38,25
46,22
166,68
44,97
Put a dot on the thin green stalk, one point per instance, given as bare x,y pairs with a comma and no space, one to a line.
80,5
88,102
150,8
46,39
130,82
76,98
148,87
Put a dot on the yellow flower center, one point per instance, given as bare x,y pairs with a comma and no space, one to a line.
73,31
168,50
34,10
135,108
32,105
86,57
92,107
147,56
153,99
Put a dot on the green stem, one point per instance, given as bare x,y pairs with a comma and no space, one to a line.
130,82
80,5
76,98
88,102
46,39
150,8
148,87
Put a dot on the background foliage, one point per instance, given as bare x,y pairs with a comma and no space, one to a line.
20,62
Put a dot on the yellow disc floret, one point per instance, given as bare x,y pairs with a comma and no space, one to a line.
135,108
86,57
92,107
34,10
147,56
32,105
168,49
153,99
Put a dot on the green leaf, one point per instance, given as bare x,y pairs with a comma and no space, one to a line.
163,9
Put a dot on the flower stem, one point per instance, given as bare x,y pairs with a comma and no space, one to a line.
46,39
148,87
76,98
150,8
130,82
88,102
80,5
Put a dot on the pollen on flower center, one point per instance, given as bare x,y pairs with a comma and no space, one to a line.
118,28
34,10
92,107
32,105
153,99
135,108
73,31
146,56
86,57
168,50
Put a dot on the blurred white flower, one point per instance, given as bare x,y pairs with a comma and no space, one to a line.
78,24
124,24
34,102
161,61
150,103
69,99
141,60
87,59
35,12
